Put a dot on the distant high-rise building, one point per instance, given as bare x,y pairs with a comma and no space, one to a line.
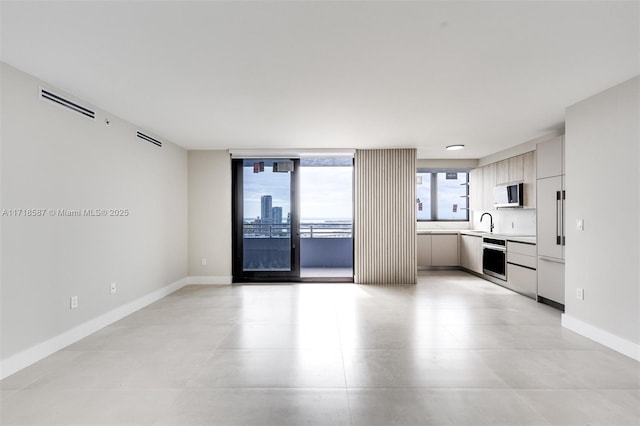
265,209
276,215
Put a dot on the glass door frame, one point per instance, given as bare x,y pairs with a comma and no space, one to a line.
238,273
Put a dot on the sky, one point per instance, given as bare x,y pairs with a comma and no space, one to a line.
326,192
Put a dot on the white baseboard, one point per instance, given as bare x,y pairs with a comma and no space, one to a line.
42,350
625,347
211,280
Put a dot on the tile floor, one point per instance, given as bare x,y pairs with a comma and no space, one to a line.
453,350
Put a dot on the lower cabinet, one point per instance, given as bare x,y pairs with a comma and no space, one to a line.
424,250
437,250
471,252
444,250
521,268
522,279
551,279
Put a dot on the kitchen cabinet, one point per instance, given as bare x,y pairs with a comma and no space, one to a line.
502,172
475,189
471,252
488,186
510,170
444,250
550,200
437,250
529,179
550,161
523,280
551,279
424,250
516,165
521,268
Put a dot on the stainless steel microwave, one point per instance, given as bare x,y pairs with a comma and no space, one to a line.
508,195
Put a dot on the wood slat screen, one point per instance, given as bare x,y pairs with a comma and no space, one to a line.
385,217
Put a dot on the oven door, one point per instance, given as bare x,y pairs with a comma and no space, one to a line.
494,261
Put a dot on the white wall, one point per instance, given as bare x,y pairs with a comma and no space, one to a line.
210,216
55,159
603,188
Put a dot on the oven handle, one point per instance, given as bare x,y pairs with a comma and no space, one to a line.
494,247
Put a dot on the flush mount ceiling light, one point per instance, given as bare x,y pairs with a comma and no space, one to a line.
454,147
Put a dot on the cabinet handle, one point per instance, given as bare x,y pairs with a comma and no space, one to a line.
549,259
564,238
558,218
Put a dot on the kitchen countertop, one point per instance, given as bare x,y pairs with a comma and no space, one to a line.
520,238
437,231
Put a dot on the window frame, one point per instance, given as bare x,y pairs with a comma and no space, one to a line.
433,175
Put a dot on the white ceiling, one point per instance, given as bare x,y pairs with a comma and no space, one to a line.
217,75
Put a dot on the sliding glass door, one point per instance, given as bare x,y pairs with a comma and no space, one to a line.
293,219
266,230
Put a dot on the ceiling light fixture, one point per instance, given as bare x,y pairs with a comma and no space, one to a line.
454,147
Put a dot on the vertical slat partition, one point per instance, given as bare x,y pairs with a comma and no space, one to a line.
385,217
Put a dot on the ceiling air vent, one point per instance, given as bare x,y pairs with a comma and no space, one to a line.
148,138
50,96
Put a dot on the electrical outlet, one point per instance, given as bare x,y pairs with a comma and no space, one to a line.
513,225
580,293
580,225
74,302
204,261
113,288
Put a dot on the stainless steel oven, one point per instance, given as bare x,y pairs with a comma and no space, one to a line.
494,257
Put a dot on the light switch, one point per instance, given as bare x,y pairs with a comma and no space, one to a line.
580,225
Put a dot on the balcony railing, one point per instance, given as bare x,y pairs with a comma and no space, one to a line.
307,230
267,246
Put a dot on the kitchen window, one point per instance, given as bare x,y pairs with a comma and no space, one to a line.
442,195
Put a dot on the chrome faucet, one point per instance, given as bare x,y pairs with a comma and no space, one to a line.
490,217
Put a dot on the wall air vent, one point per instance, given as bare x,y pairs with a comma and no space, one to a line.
50,96
147,138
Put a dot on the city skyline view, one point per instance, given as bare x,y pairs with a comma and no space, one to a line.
325,193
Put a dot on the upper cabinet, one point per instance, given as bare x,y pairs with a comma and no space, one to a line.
510,170
516,166
483,180
502,172
550,160
488,186
529,179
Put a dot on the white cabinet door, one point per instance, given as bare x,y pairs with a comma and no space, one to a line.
488,185
551,280
466,251
502,172
523,280
424,250
549,217
444,250
529,179
516,165
471,253
550,160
